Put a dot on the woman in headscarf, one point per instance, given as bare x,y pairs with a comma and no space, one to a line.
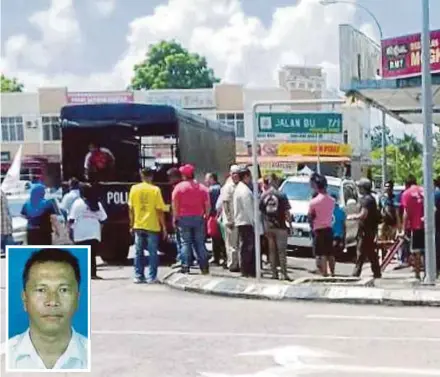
41,217
86,217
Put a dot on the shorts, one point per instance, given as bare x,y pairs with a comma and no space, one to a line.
324,242
417,240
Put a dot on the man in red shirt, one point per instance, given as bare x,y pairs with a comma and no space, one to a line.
190,206
412,202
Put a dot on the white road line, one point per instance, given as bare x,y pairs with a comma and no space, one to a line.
254,335
372,318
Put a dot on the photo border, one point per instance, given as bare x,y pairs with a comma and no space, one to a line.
89,340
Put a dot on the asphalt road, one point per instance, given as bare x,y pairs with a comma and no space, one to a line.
150,330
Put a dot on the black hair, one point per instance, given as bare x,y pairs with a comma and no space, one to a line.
147,173
51,255
73,183
244,173
319,180
90,195
411,180
174,173
214,176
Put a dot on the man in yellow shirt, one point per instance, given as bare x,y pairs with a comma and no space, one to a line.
147,221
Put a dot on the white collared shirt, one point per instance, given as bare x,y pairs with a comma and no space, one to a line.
22,354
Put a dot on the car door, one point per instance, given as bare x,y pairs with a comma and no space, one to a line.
350,197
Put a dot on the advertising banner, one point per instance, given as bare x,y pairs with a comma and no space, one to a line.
99,97
402,56
309,149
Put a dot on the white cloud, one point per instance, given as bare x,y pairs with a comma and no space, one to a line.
59,31
239,47
105,7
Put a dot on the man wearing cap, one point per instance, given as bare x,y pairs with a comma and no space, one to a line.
227,218
368,226
190,206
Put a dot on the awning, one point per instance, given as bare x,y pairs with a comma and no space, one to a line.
400,98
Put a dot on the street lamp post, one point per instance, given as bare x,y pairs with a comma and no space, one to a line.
384,126
428,177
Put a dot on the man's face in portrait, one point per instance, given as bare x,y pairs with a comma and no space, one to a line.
51,297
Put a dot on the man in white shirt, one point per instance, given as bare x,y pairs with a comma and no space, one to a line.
225,204
50,296
245,223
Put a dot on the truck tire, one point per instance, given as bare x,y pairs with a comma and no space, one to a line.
115,245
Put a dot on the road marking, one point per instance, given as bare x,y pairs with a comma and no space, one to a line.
264,335
255,335
297,360
372,318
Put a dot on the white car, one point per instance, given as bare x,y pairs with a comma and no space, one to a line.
19,223
298,191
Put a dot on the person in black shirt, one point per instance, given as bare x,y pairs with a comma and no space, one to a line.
368,226
275,207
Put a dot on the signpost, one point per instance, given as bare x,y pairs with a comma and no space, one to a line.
300,123
286,121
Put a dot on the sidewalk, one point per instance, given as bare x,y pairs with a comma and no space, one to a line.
397,287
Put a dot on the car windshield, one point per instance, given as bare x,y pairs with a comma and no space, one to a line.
302,190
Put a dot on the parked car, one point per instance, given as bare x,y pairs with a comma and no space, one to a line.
298,191
19,223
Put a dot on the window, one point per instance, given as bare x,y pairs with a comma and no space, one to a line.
235,120
12,129
51,128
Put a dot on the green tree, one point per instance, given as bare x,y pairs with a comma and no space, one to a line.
404,157
170,66
376,137
10,84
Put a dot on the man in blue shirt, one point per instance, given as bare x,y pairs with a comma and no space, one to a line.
338,228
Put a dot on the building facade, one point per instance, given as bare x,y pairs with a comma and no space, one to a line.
31,119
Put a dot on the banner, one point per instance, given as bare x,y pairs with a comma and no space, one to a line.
99,97
402,56
309,149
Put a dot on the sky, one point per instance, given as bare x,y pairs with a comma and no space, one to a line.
93,44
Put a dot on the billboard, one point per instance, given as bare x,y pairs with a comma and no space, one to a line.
401,56
359,57
99,97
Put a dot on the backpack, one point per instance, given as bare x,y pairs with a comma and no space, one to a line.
271,205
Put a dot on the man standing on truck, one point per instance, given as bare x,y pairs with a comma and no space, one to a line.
147,220
99,163
191,206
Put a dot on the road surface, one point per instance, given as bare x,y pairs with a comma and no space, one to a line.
150,330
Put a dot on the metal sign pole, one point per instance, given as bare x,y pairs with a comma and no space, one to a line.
255,122
430,262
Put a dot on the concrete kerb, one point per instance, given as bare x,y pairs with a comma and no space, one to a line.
250,289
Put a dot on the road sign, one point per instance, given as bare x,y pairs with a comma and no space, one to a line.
300,123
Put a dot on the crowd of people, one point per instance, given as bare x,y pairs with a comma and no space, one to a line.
225,214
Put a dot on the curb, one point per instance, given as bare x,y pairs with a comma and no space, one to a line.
247,288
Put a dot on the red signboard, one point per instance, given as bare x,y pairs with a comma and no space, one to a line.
99,97
402,56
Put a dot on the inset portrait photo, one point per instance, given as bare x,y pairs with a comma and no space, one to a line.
48,308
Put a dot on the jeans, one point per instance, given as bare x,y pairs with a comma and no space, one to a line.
146,240
366,248
192,232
